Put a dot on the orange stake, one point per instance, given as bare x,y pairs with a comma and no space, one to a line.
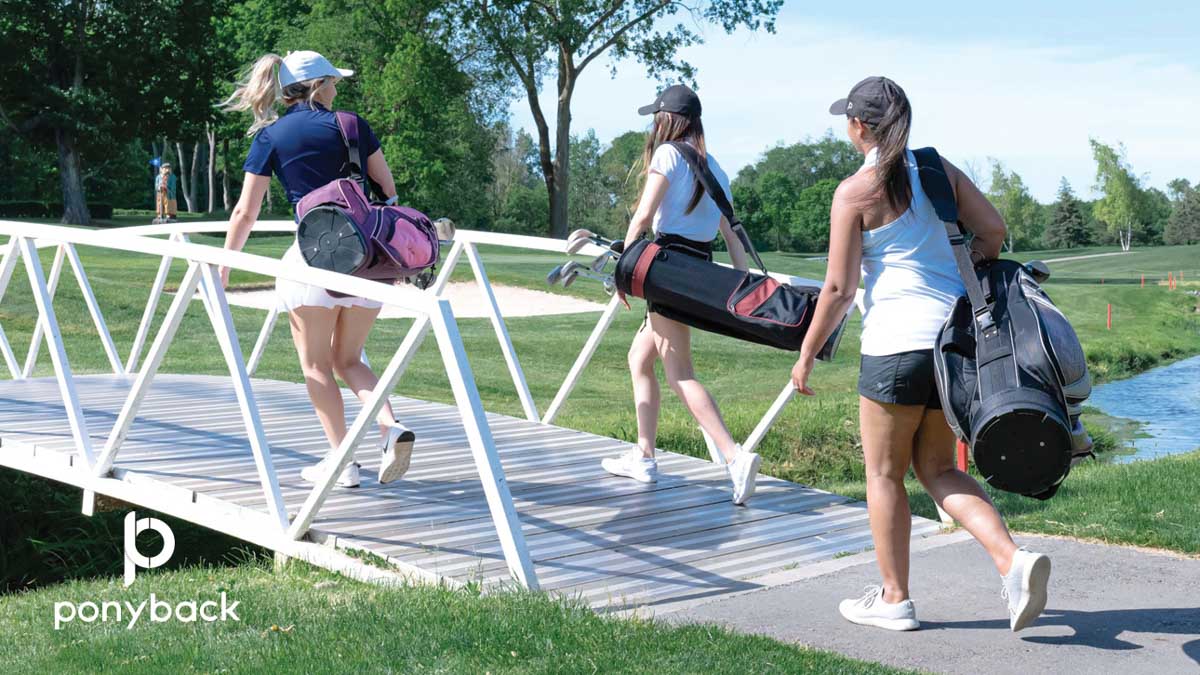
1143,281
1110,317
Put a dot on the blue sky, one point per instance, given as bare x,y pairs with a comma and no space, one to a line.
1026,83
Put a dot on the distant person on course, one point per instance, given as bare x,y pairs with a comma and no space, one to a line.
304,148
164,194
882,222
684,219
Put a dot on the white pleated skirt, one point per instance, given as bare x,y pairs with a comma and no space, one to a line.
293,294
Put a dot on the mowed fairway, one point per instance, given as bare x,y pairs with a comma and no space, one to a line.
814,442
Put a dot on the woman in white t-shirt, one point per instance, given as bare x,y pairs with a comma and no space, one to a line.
682,218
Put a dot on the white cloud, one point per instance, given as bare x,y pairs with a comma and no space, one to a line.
1033,107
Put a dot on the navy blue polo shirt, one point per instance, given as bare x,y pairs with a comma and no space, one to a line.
305,149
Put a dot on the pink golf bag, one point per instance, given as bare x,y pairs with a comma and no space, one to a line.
342,231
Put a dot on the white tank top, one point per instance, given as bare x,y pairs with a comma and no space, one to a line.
910,276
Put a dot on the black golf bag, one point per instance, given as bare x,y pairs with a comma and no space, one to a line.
1010,370
715,298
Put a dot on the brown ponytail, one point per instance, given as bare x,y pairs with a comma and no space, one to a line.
669,126
891,138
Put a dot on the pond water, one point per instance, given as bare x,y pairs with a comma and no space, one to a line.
1165,400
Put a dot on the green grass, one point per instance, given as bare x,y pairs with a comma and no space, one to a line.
315,622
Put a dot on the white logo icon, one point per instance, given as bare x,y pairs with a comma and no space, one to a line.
133,558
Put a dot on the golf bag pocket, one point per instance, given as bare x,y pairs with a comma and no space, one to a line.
763,298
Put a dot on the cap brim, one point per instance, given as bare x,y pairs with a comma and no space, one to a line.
344,72
839,106
648,109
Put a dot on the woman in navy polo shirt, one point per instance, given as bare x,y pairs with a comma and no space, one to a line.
304,148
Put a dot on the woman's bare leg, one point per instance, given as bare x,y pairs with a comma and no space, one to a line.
312,333
349,336
887,432
647,396
674,343
958,493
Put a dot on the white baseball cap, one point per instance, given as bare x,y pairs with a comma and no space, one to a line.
306,65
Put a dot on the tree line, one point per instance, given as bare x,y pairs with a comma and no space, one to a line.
95,89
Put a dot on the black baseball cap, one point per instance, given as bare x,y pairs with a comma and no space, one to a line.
677,98
867,101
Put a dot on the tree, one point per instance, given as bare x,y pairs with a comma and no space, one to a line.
1016,205
590,202
533,39
621,172
1121,206
81,74
1183,226
767,194
1067,228
810,216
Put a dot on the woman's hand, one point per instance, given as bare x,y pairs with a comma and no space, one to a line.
624,300
800,373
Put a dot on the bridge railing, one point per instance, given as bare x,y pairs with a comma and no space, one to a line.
430,310
203,275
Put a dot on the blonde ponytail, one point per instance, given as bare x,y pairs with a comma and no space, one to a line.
258,93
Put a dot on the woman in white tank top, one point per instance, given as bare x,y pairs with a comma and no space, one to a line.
884,226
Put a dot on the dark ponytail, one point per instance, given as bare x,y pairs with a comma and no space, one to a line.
891,139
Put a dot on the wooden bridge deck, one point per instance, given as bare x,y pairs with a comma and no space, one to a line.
614,542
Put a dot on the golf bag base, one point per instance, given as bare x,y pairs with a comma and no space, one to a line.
716,298
328,240
1020,444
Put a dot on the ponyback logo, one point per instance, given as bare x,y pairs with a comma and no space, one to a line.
133,557
151,609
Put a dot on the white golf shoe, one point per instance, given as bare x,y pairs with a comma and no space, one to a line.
397,453
1024,588
348,478
871,610
632,465
743,471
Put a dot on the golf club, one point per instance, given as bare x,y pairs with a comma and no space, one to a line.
554,276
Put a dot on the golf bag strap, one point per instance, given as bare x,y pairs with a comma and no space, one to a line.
708,181
348,124
936,185
637,283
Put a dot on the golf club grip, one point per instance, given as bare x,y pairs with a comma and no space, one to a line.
617,246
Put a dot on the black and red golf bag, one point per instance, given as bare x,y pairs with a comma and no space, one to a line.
715,298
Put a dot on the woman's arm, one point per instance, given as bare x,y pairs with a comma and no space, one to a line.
737,252
841,280
379,171
245,213
978,215
643,217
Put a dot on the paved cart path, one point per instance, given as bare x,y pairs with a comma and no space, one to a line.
1111,610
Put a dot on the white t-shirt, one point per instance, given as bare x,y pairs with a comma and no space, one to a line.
704,221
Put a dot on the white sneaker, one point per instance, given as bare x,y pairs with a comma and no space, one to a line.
397,453
632,465
348,479
1025,588
871,610
743,471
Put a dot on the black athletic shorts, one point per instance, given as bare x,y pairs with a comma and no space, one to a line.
674,242
904,379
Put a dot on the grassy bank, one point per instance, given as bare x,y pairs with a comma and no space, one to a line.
319,623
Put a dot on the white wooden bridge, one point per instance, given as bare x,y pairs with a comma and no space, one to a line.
490,499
